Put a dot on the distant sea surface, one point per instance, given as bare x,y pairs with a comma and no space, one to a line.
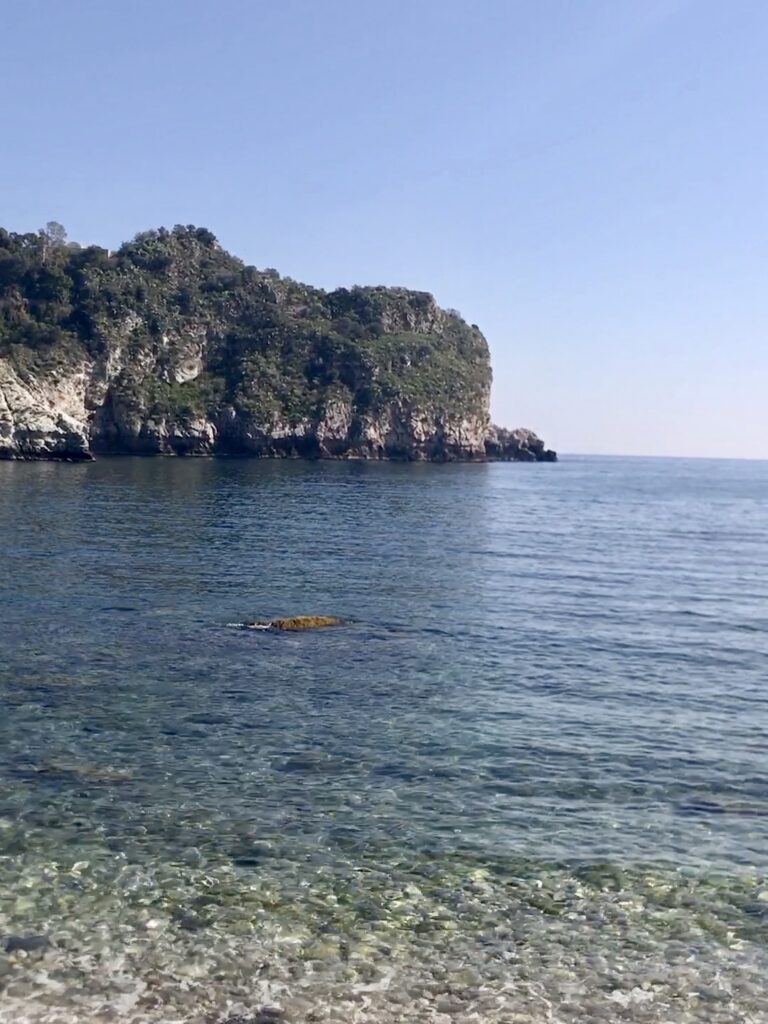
526,782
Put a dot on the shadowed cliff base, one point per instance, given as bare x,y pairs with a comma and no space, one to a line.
171,346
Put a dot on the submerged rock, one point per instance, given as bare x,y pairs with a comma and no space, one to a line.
266,1015
296,623
26,943
190,921
84,771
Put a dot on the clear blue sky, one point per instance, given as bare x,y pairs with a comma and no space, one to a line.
585,179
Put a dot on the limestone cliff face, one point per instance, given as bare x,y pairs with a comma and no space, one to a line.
172,346
43,416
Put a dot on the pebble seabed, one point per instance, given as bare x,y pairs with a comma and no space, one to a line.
435,938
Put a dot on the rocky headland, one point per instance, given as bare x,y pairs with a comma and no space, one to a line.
171,345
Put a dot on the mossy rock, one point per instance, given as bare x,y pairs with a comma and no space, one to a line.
296,623
84,771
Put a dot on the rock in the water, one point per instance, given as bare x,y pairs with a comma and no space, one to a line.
83,771
266,1015
189,921
26,943
519,445
296,623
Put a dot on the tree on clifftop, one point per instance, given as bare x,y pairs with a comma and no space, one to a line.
53,235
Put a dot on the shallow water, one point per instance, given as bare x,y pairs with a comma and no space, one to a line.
527,782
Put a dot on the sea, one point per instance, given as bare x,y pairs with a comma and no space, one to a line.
525,782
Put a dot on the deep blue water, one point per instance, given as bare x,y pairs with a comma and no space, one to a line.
528,781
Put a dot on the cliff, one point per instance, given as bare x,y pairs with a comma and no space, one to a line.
173,346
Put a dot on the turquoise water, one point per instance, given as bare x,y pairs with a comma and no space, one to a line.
527,782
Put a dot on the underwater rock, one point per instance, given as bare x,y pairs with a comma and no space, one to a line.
26,943
190,921
83,771
297,622
267,1015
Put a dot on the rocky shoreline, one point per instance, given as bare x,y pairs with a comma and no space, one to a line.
532,450
74,415
526,447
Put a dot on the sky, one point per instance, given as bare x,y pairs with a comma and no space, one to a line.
587,180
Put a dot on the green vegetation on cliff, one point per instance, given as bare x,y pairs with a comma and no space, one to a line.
184,329
172,345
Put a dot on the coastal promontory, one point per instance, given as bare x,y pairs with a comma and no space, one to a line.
170,345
